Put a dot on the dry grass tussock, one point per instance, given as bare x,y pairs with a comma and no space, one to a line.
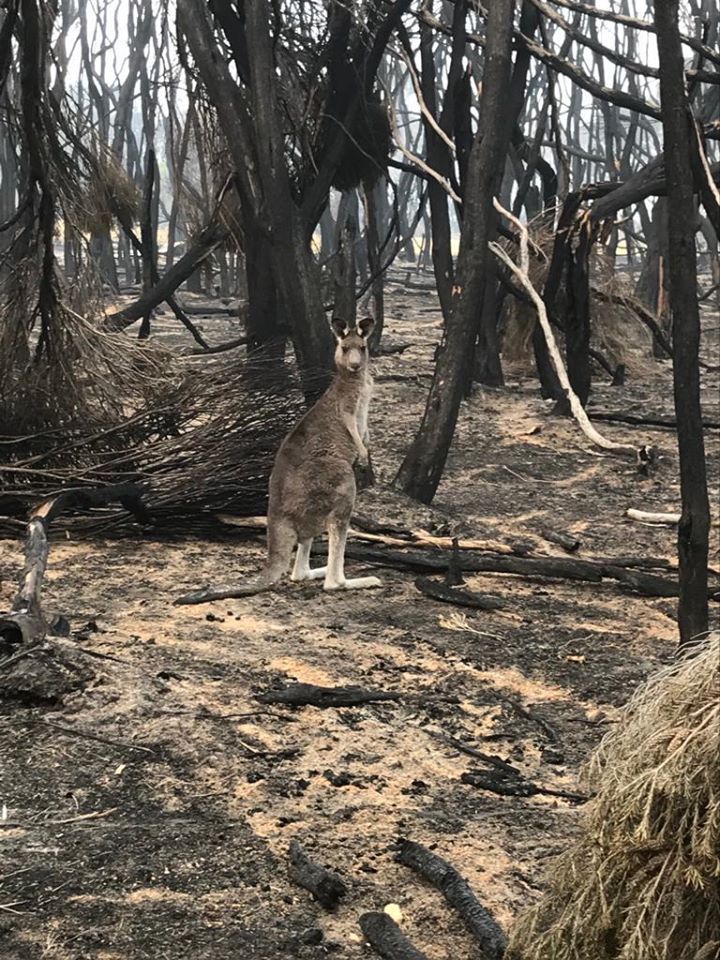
80,406
616,331
205,443
643,882
60,372
108,188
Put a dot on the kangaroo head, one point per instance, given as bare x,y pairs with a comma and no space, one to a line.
351,353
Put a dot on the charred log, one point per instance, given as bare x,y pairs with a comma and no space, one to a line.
456,890
310,695
325,886
385,936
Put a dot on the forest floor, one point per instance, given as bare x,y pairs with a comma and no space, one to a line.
167,837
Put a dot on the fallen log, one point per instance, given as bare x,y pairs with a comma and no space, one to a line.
644,563
563,568
430,559
325,886
310,695
385,936
199,310
456,890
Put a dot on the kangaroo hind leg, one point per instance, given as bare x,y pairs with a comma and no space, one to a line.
302,569
281,542
335,576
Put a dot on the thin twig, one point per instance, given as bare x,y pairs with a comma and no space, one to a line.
89,736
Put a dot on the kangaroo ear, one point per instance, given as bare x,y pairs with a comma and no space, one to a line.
339,328
365,327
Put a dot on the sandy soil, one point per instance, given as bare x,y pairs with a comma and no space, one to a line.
167,836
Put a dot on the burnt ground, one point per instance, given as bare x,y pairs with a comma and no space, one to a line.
168,836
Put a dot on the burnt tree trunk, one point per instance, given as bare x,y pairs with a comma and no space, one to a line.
374,251
344,263
577,320
148,240
652,282
558,270
488,367
678,132
438,157
265,330
423,466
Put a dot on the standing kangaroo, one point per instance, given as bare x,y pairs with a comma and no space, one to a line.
312,485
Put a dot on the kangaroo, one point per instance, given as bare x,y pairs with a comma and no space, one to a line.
312,484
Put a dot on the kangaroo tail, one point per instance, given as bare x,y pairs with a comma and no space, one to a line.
281,542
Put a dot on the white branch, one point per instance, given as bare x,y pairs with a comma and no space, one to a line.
424,109
644,516
522,274
426,168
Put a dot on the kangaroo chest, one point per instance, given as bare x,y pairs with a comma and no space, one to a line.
363,407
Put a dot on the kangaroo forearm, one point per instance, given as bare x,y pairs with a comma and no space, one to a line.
352,427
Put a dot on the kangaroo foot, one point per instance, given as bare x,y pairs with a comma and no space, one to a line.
317,574
356,583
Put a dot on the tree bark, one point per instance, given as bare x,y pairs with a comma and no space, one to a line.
678,132
423,466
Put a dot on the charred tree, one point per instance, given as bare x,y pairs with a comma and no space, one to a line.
679,133
423,466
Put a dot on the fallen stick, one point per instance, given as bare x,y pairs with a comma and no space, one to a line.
418,538
437,590
382,933
219,348
564,540
514,784
310,695
325,886
85,735
664,423
527,714
576,407
645,516
387,350
471,751
456,890
95,815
